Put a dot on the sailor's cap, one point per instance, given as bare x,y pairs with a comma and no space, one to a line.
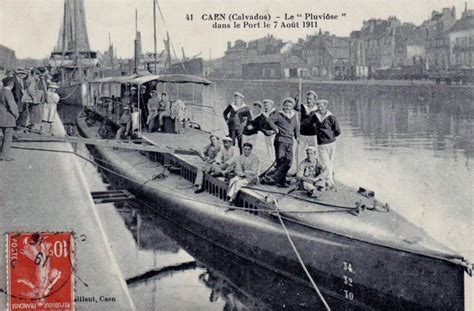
226,138
267,100
126,107
289,99
322,101
258,103
313,93
239,94
53,86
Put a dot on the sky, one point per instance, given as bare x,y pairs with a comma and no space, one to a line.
31,27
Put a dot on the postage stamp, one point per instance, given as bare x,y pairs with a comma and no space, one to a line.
40,271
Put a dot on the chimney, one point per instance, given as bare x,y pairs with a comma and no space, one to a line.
465,6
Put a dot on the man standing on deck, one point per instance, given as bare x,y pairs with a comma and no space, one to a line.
234,116
307,129
327,129
285,125
269,136
8,116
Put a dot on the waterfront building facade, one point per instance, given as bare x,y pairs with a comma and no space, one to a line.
461,41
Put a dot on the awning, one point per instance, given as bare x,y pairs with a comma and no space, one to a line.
116,79
173,78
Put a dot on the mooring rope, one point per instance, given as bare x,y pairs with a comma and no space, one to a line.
300,259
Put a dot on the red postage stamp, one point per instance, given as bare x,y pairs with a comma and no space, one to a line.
40,271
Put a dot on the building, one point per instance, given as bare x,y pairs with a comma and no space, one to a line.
366,47
285,65
233,58
461,41
437,52
7,58
266,66
437,44
327,56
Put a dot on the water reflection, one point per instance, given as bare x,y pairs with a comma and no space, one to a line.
226,281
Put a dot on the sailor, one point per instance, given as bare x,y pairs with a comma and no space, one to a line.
246,171
311,173
307,129
133,97
50,108
8,116
18,91
164,109
285,125
208,154
234,116
252,125
125,123
152,105
327,129
269,135
224,162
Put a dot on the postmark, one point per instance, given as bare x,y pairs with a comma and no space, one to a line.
40,273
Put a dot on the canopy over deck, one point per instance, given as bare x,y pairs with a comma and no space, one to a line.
172,78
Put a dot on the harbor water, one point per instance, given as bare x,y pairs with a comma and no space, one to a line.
411,144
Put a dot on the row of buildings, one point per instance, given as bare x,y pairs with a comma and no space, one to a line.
380,49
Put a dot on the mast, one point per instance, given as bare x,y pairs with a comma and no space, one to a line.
168,49
136,41
75,32
154,31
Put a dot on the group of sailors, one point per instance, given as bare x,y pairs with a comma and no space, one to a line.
28,102
157,107
310,124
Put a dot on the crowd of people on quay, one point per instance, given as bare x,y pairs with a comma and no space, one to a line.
28,103
310,124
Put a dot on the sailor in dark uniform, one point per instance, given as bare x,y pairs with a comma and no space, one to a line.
285,125
234,116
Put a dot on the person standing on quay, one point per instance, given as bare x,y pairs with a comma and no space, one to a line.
8,116
50,108
33,96
234,116
18,90
327,129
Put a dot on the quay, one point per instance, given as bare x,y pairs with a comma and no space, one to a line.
47,191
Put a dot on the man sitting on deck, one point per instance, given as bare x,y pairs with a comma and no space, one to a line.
312,174
152,106
246,171
125,123
164,109
208,154
224,162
